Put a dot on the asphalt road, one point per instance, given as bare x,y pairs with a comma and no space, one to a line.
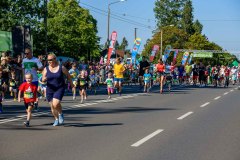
186,124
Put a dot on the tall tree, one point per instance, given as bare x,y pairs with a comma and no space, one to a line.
197,26
20,12
72,31
187,17
168,12
124,44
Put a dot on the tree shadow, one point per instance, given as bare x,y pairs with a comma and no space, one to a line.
91,125
95,110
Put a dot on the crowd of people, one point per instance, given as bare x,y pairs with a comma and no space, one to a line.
47,78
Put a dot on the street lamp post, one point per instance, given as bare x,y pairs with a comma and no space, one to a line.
108,24
161,52
45,24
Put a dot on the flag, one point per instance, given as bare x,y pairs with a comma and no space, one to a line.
135,49
166,53
113,40
190,59
175,56
155,49
185,57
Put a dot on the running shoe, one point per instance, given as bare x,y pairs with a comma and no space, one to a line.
56,123
81,101
26,124
61,119
120,93
74,97
109,97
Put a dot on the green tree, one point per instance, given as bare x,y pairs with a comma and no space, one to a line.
187,18
197,26
72,31
20,13
117,45
124,44
168,12
171,36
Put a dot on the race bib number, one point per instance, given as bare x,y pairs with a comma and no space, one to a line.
28,95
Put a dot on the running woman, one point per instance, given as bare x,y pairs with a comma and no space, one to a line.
54,76
82,81
118,72
74,72
29,91
160,69
109,81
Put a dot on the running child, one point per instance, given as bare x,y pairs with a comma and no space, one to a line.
74,72
82,78
13,87
92,82
42,87
29,91
147,79
109,81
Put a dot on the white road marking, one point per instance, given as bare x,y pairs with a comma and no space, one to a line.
8,101
140,142
205,104
225,93
231,90
236,88
185,115
217,97
65,108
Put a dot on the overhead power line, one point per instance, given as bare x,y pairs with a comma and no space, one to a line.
117,17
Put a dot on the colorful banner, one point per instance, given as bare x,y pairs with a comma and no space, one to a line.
203,54
166,53
190,59
185,57
101,60
113,40
175,56
135,49
155,49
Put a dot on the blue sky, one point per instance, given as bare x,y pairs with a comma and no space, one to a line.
220,19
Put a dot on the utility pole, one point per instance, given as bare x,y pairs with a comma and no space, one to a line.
45,24
135,33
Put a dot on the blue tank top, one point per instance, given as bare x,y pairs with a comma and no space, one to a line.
55,80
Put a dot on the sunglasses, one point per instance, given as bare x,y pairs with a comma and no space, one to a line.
26,53
50,60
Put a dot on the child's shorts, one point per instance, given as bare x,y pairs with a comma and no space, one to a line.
28,104
110,89
146,82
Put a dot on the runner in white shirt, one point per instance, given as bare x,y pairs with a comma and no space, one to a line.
31,64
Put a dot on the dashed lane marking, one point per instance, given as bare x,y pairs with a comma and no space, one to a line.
185,115
217,98
225,93
145,139
205,104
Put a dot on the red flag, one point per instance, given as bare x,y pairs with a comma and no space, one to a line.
113,40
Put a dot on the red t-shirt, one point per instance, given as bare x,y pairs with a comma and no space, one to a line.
29,91
227,72
160,67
